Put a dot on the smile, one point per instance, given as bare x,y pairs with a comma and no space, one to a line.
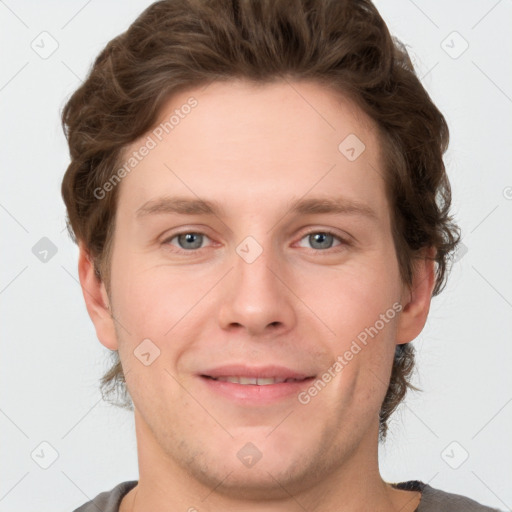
254,381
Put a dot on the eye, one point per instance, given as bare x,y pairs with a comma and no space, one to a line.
191,241
322,240
187,241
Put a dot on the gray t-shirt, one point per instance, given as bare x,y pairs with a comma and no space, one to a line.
432,500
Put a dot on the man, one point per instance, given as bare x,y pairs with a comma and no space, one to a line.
258,194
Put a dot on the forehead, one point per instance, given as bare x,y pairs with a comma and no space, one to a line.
256,144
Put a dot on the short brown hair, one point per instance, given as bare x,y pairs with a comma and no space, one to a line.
343,44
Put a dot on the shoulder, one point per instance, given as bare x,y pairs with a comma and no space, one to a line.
108,501
434,500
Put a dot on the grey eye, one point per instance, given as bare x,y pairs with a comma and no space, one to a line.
321,240
189,241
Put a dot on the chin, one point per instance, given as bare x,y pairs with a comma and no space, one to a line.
242,471
262,484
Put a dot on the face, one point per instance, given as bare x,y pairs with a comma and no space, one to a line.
252,245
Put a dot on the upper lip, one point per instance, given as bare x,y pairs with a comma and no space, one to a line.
255,371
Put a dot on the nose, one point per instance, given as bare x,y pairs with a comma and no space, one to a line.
257,298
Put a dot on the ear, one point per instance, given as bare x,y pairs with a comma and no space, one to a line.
416,298
96,300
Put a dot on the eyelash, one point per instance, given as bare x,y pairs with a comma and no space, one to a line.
343,241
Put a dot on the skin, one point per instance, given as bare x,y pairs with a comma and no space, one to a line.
299,304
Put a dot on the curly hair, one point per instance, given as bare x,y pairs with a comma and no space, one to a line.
344,45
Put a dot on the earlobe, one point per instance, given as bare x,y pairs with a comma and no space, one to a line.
417,298
96,300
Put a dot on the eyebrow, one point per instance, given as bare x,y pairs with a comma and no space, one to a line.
180,205
190,206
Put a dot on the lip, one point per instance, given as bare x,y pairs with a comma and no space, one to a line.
269,371
252,394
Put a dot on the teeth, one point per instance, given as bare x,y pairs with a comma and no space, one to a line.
259,381
248,380
264,382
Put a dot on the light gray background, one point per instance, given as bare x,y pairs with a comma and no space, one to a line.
51,360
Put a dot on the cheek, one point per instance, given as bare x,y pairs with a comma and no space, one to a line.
360,304
355,298
150,301
160,304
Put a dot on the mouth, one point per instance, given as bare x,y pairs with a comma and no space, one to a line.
248,386
255,381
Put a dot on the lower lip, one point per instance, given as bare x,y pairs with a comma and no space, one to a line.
252,393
